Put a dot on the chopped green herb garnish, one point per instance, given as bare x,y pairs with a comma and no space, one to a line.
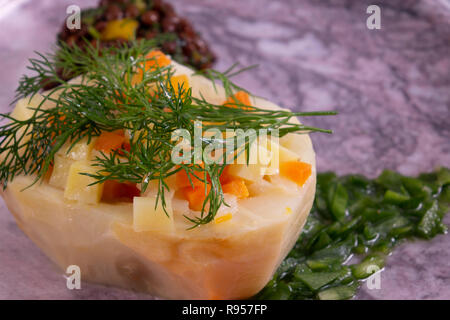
355,215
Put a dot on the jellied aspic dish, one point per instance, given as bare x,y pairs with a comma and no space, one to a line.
88,172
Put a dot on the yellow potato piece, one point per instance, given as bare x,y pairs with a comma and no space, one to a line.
149,217
80,151
78,186
60,173
23,109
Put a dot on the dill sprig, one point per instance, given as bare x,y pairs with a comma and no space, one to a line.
106,99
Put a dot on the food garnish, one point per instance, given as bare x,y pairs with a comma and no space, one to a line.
353,215
108,102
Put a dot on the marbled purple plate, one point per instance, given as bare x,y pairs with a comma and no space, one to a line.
391,87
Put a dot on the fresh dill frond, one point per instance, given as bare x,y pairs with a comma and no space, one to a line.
106,99
224,77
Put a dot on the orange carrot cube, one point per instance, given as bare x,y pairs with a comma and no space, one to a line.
110,141
180,82
183,181
296,171
241,97
196,196
236,187
153,60
156,59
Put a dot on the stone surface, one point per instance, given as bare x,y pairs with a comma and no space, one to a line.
391,87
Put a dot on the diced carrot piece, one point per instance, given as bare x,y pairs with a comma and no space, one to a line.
183,179
156,59
242,97
121,99
196,196
114,191
49,172
225,176
126,146
119,132
110,141
51,121
296,171
236,187
154,97
178,82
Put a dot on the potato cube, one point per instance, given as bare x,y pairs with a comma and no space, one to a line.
147,217
80,151
61,167
252,172
77,187
22,109
258,163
